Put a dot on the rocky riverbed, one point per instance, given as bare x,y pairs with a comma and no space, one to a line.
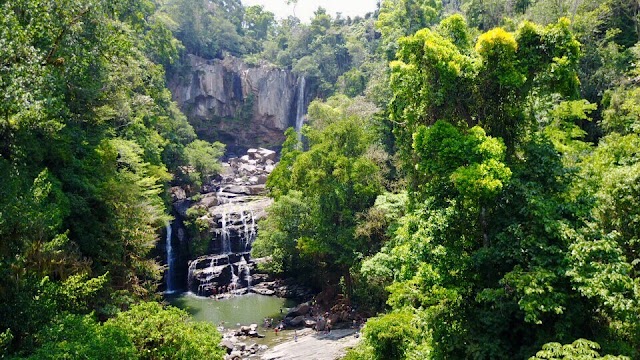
303,344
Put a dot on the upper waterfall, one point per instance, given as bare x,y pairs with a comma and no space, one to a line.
300,110
170,259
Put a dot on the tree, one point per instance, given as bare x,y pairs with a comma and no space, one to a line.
204,158
337,181
400,18
579,349
258,24
146,331
168,333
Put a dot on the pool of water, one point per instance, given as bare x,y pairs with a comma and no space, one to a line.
243,309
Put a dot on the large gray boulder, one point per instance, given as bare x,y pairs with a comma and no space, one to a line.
302,309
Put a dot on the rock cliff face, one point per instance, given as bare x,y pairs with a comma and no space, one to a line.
237,104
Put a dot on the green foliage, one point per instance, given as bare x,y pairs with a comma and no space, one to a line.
398,18
78,336
206,28
454,82
488,250
329,51
288,221
327,186
89,132
579,349
146,331
622,110
167,333
204,158
257,24
390,335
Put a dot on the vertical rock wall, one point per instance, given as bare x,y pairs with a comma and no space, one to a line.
237,104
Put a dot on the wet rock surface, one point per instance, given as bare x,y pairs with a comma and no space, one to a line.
229,210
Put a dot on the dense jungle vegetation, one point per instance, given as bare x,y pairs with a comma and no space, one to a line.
470,173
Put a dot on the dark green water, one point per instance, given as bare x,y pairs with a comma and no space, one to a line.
244,310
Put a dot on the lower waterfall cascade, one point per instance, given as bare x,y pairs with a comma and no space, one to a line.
234,204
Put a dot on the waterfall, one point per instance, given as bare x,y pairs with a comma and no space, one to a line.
247,273
192,268
253,228
226,242
245,225
235,279
300,107
170,260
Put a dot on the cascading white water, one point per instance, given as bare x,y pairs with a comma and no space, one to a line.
245,239
170,260
226,242
300,107
247,273
252,235
235,279
192,268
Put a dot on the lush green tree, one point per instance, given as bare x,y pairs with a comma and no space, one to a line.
454,84
579,349
337,181
257,25
80,336
398,18
146,331
167,333
204,157
87,125
206,28
390,335
288,221
495,255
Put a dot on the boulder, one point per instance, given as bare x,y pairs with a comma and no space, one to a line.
302,309
255,334
267,154
209,200
235,189
247,169
334,318
177,193
227,170
256,189
227,345
263,291
297,321
310,323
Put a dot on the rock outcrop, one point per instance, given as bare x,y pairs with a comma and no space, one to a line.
228,212
237,104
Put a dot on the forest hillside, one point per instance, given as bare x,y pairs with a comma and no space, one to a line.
467,175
